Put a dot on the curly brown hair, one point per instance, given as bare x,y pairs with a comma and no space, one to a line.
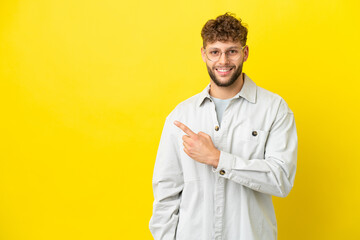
224,28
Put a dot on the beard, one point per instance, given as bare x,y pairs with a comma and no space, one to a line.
232,79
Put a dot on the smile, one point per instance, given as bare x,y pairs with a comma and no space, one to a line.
223,71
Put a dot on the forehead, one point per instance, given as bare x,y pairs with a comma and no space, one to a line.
223,45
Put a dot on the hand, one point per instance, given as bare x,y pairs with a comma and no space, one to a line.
199,146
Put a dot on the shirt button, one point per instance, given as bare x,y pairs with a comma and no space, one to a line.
218,210
217,128
222,172
254,133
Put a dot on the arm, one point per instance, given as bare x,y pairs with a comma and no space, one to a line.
273,175
167,186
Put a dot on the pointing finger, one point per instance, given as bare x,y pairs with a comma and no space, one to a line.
184,128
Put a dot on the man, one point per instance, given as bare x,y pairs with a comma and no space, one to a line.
224,152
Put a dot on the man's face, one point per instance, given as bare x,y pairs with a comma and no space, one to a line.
224,71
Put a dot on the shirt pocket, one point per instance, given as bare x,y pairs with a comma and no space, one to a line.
249,142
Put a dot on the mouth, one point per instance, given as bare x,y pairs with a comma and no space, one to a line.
224,71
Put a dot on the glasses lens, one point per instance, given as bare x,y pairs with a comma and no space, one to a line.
214,55
233,54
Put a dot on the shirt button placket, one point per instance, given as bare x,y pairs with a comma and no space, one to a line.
219,186
219,197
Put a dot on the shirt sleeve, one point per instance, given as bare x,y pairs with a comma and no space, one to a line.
167,185
275,173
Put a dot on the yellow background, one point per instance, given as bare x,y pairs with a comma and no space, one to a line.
86,86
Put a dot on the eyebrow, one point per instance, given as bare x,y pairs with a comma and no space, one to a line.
232,47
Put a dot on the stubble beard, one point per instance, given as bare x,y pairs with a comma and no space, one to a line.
232,79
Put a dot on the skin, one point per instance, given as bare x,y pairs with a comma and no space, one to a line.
225,92
199,146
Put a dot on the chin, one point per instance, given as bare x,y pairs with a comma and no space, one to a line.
224,82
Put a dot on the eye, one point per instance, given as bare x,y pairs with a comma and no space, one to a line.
214,52
233,52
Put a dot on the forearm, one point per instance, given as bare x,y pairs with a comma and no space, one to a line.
167,191
270,175
274,173
167,186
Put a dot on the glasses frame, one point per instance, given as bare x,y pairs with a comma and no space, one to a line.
225,55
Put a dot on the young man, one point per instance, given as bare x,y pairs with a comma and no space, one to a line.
224,152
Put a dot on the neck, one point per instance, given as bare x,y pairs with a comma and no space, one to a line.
227,92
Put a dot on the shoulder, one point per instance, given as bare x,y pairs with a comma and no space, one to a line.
272,100
185,107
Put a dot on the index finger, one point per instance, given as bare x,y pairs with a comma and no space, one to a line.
184,128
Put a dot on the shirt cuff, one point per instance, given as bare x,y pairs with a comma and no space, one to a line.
225,165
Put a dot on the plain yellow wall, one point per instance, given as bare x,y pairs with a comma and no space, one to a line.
86,86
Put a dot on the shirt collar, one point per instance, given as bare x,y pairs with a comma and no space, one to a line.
248,91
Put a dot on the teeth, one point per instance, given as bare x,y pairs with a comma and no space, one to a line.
224,70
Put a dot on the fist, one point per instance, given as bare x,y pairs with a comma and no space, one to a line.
199,146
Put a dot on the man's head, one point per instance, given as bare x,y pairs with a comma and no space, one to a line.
224,48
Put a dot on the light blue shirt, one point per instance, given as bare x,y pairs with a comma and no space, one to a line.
258,154
220,106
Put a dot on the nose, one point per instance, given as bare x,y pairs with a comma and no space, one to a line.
223,59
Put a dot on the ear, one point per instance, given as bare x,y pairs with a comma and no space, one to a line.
203,54
246,52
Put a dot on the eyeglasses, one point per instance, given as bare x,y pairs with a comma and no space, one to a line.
215,54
